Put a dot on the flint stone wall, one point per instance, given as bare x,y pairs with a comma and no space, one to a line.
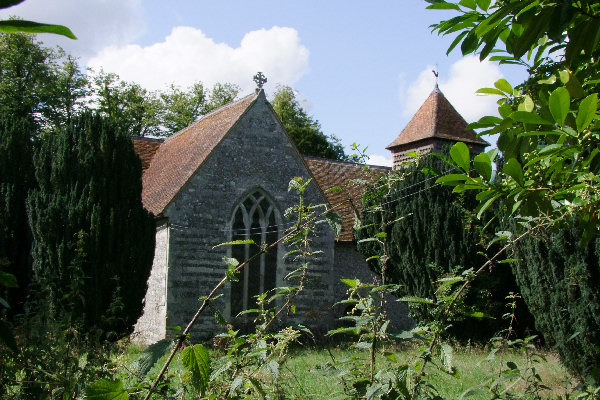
256,154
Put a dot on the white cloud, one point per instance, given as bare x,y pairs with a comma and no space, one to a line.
187,55
96,23
376,159
466,76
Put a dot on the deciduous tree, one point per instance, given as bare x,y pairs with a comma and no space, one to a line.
304,130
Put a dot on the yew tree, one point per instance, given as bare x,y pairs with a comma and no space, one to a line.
93,241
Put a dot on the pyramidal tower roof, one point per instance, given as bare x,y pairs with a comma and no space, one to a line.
437,118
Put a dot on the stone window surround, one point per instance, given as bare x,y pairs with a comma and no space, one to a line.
256,195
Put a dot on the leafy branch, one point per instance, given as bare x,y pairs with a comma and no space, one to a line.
19,25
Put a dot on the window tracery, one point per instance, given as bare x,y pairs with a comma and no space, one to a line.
254,218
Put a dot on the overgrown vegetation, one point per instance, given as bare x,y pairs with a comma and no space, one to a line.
549,140
550,146
417,233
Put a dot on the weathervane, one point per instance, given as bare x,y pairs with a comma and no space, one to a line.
260,80
436,74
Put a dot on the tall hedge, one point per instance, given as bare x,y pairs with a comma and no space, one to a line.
16,179
432,233
93,241
560,282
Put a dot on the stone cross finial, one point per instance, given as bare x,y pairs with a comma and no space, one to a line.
260,79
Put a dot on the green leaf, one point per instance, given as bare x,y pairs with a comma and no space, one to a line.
529,118
490,91
9,3
335,221
351,282
559,103
479,314
527,104
504,86
235,243
587,111
231,262
363,345
446,355
151,355
197,361
483,165
258,387
452,178
511,365
15,26
459,152
220,318
414,299
456,41
105,389
574,87
487,204
8,280
484,4
509,260
468,3
513,169
548,81
470,43
371,239
443,6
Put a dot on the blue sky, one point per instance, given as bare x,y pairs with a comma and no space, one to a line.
360,68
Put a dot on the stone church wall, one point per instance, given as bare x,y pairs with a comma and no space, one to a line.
255,154
151,327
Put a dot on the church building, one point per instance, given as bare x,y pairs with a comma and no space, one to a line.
225,178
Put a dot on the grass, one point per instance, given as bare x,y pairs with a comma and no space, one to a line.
309,374
473,366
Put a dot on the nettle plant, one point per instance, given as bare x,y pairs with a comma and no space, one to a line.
252,361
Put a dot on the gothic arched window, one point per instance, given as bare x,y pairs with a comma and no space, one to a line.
254,218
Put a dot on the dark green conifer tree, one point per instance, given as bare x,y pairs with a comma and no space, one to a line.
560,281
16,179
431,233
93,241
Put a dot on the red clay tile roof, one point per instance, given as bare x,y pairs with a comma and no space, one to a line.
333,174
146,149
179,156
163,177
437,119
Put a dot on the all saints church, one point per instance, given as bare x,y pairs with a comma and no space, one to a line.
224,178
